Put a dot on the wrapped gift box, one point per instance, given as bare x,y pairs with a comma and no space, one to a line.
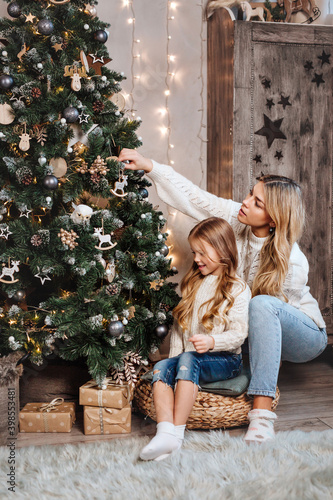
107,420
113,396
56,416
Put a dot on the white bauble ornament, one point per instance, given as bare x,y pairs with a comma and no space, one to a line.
59,166
42,160
6,114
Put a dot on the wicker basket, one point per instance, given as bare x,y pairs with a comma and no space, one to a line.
210,411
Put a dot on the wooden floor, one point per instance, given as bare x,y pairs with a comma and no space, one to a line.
306,403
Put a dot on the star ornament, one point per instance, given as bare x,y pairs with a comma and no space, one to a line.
25,212
43,275
83,118
97,63
58,46
4,232
156,284
30,18
271,130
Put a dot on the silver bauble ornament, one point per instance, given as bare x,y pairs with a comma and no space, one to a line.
6,82
143,193
19,295
71,114
164,250
90,10
116,328
45,26
14,10
50,182
100,36
161,331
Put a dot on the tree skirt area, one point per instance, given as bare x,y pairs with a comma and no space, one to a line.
211,465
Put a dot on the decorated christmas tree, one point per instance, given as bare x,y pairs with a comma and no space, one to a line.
83,252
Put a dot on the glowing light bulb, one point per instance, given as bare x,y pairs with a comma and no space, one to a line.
167,92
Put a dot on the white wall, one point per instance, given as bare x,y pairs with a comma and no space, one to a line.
187,101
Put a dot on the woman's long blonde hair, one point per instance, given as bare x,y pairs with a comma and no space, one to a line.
284,204
219,234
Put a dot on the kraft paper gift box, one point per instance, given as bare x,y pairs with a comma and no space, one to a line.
113,396
56,416
107,420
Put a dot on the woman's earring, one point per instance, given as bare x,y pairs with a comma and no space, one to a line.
271,229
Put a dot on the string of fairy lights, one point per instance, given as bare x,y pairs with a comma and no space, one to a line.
167,87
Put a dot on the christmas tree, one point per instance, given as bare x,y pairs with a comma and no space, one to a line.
84,259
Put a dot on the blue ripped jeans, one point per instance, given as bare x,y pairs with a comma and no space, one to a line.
279,332
198,368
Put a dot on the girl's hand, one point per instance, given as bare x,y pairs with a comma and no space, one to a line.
137,161
202,343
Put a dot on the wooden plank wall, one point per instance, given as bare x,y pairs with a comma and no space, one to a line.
220,63
277,53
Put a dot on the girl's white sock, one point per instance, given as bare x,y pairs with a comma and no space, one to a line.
261,426
168,439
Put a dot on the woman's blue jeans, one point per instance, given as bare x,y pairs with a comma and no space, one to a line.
279,332
198,368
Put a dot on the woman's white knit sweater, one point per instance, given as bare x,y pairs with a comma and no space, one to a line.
182,194
229,339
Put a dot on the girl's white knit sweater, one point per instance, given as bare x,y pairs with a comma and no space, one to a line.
226,339
182,194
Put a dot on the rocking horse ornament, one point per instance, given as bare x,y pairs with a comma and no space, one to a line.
306,6
103,238
119,185
9,271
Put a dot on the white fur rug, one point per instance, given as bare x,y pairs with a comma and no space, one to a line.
211,465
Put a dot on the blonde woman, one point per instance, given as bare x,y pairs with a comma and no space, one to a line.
211,323
285,322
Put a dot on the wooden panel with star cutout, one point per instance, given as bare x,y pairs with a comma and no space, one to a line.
281,122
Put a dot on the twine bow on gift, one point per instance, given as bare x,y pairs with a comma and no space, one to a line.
47,408
108,382
52,405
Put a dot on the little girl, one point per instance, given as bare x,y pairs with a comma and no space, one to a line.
211,324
